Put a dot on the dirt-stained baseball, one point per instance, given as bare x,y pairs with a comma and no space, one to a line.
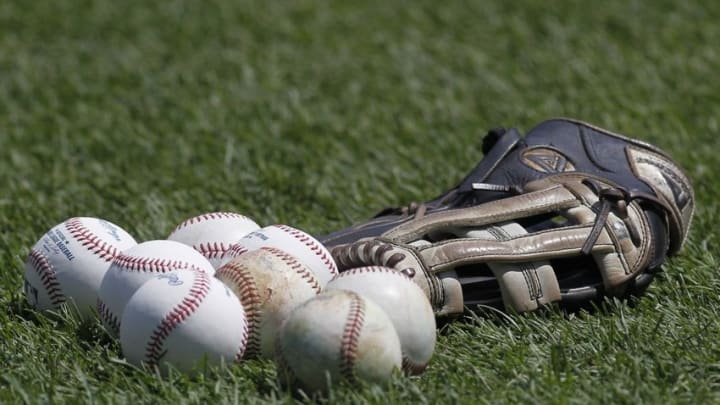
294,241
404,302
181,318
69,262
213,233
132,268
337,336
270,283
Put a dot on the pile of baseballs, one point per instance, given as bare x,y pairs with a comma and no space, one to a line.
221,289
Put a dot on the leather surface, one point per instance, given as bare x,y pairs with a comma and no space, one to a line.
568,214
556,146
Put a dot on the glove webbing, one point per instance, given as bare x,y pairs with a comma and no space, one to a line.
519,260
524,286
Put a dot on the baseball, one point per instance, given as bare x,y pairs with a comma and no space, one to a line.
270,284
213,233
338,335
180,318
404,302
294,241
133,267
68,263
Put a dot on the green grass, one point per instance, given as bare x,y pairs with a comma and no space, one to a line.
317,114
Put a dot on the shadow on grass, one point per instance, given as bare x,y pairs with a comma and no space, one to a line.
267,383
89,332
17,307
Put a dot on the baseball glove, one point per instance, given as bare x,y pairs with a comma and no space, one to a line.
569,214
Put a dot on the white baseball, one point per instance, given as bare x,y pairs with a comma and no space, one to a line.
270,283
338,335
294,241
405,303
68,263
213,233
133,267
181,318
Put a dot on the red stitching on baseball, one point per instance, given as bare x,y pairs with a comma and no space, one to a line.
372,269
45,271
91,241
319,250
408,365
351,336
108,317
211,250
178,315
243,343
208,217
147,264
237,277
299,268
235,251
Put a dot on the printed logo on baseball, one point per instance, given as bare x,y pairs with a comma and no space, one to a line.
270,284
213,233
294,241
405,303
69,262
337,336
133,267
180,318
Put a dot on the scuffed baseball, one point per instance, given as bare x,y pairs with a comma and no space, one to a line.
337,336
405,303
213,233
294,241
69,262
181,318
270,284
132,268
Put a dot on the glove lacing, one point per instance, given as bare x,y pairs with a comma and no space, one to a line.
418,210
618,198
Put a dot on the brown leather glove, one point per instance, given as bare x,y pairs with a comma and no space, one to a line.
570,237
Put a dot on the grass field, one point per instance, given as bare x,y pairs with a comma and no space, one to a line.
317,114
